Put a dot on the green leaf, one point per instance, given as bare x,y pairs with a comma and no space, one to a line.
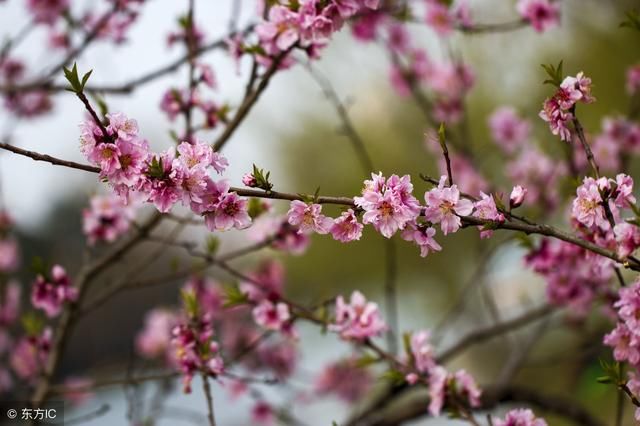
256,207
213,243
32,323
156,169
72,77
233,296
606,380
366,360
38,265
85,78
395,377
554,72
190,302
262,178
442,137
632,20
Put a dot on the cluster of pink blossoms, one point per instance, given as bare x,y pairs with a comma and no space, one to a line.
442,384
541,14
633,80
30,354
154,339
50,293
9,252
558,110
183,339
357,320
574,277
388,203
598,202
520,417
508,129
107,218
308,23
625,337
47,11
344,378
22,103
195,349
175,175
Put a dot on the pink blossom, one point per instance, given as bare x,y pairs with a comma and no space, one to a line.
541,14
517,196
486,209
628,307
249,180
623,192
272,316
78,390
537,172
346,228
231,212
161,181
607,150
437,389
365,27
28,104
625,344
278,357
627,237
308,218
439,18
344,378
573,277
422,352
10,304
422,235
467,388
508,129
557,110
195,349
633,79
359,319
262,413
520,417
30,355
577,88
107,218
399,40
388,203
47,11
289,239
266,282
119,124
154,339
50,293
587,206
9,255
557,117
281,31
195,155
444,206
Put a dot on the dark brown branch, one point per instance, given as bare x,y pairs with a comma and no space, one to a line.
49,159
250,100
65,324
526,226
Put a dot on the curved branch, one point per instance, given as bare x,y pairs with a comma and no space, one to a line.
526,226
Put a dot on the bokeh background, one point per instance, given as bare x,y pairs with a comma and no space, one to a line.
293,133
